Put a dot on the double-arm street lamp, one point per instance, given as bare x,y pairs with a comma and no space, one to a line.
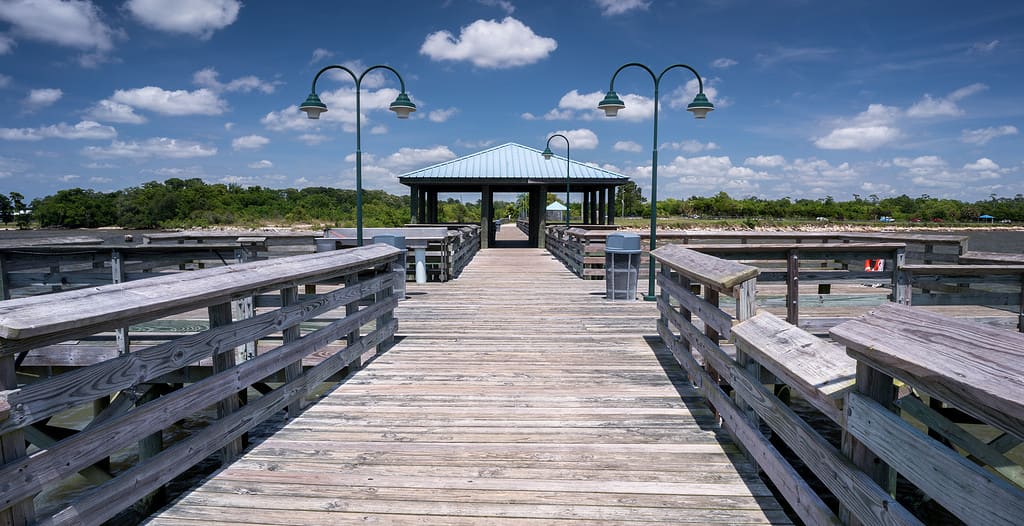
402,106
547,155
700,108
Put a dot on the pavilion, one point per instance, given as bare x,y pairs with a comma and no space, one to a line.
517,169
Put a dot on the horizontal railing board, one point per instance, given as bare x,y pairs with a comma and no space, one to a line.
37,401
966,270
720,274
976,368
991,258
121,304
968,491
711,315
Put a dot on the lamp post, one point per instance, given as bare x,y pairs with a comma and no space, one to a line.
402,107
547,156
700,108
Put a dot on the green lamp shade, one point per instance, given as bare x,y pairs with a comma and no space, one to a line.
611,104
402,106
313,106
700,106
547,153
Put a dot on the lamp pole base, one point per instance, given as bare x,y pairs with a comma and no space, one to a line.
650,297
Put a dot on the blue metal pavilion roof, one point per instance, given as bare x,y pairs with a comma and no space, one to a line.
507,163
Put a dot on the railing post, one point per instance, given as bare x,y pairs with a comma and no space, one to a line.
290,296
793,287
879,387
12,448
220,315
901,286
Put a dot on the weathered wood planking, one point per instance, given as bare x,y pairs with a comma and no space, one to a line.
721,274
515,395
976,368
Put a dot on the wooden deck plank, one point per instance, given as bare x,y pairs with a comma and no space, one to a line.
511,397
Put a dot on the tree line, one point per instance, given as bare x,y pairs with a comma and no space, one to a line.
177,203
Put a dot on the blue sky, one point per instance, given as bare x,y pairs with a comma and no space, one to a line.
813,98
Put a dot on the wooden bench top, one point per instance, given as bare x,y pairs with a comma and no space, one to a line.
719,273
977,368
991,258
820,371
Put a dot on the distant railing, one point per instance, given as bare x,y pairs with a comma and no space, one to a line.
754,356
448,248
999,286
33,270
276,243
139,392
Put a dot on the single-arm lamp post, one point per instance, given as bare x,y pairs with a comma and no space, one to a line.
402,107
700,108
547,156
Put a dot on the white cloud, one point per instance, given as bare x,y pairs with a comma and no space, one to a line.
249,142
789,54
690,146
207,78
575,105
504,5
582,139
71,23
984,47
722,63
946,106
98,166
200,18
379,129
617,7
490,44
984,135
627,146
156,147
411,158
765,161
920,165
83,130
313,139
869,130
341,104
319,55
5,80
983,164
39,98
261,165
229,125
442,115
110,111
6,44
483,143
100,180
176,103
684,95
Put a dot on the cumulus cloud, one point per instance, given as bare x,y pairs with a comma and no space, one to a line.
483,143
442,115
411,158
722,63
73,23
40,98
945,106
83,130
176,103
262,164
341,104
984,135
162,147
207,78
313,139
984,47
618,7
6,44
504,5
200,18
867,131
249,142
490,44
576,105
110,111
319,55
627,146
765,161
981,165
690,146
582,138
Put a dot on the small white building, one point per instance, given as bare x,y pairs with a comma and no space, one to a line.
556,212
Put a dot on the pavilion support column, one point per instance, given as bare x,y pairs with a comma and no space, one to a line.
432,211
585,208
601,207
611,205
542,227
424,205
414,199
486,215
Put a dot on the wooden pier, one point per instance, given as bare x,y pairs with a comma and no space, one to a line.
516,395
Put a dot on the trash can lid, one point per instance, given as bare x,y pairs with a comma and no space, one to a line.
394,240
622,243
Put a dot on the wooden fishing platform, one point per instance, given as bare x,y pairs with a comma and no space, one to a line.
515,395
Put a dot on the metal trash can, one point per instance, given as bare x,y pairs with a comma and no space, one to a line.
325,244
621,265
397,241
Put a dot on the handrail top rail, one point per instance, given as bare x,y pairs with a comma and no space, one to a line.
57,250
802,247
701,267
970,365
989,258
34,316
220,234
956,270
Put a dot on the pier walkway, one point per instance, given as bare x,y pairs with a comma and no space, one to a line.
516,395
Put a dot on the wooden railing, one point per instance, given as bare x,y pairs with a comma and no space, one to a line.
741,361
993,285
138,393
275,243
32,270
448,247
